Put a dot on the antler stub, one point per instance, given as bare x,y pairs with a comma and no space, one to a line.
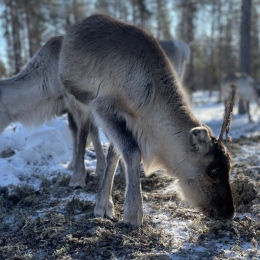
228,115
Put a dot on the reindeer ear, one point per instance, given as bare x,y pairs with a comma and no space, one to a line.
200,140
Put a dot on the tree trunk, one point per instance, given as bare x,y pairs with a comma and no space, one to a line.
186,31
244,64
29,26
15,35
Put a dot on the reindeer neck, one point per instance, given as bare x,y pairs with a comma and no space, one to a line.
168,135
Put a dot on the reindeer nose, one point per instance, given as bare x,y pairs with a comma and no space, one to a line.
227,212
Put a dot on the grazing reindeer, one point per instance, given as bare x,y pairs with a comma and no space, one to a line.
35,95
119,74
179,54
246,90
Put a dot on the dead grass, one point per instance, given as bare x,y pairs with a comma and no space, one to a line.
49,223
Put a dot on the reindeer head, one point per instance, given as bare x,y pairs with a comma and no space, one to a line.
207,185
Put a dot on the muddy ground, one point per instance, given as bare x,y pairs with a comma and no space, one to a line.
57,222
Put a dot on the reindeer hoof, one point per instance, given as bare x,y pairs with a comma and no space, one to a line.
135,219
78,181
133,214
104,208
77,184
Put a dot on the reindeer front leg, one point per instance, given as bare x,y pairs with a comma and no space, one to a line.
122,138
133,205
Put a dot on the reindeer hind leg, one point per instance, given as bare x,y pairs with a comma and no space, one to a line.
101,159
78,178
104,202
250,120
74,132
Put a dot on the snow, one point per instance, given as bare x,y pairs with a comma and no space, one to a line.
43,150
48,148
209,111
47,151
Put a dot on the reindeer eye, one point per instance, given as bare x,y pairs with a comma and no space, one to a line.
214,173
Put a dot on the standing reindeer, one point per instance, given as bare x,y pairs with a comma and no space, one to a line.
246,90
35,95
179,54
119,75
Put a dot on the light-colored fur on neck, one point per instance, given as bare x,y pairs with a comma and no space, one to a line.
159,138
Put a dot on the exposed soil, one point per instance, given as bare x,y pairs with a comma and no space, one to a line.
57,222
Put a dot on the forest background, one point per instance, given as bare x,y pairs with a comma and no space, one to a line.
223,35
